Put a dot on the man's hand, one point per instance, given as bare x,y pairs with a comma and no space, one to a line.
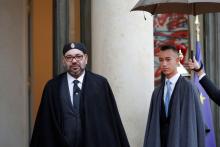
193,65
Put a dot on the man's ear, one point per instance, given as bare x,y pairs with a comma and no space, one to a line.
177,59
63,60
86,58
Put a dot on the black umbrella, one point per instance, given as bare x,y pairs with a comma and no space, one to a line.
193,7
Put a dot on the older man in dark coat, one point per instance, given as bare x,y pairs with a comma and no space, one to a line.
78,108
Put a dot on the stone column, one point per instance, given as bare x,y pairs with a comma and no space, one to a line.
122,51
14,73
211,61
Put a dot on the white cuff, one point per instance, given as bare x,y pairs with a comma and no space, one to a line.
200,77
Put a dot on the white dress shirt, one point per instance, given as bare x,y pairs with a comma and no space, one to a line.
173,81
70,80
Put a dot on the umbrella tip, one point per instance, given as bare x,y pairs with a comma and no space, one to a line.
144,16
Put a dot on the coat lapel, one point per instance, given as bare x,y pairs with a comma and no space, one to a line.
64,92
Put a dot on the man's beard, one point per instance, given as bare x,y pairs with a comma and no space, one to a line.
72,72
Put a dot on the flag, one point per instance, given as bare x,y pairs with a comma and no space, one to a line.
205,104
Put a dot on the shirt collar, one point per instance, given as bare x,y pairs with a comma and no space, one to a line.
71,78
174,79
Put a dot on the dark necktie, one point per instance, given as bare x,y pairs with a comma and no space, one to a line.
76,94
168,94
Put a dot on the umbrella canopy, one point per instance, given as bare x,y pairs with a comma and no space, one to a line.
193,7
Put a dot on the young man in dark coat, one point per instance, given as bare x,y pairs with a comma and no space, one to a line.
210,88
175,118
78,108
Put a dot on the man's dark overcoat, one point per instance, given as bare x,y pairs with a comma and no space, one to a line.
211,89
186,127
101,123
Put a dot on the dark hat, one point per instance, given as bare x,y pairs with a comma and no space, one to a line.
74,45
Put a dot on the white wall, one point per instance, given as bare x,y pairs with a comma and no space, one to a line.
122,51
13,74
